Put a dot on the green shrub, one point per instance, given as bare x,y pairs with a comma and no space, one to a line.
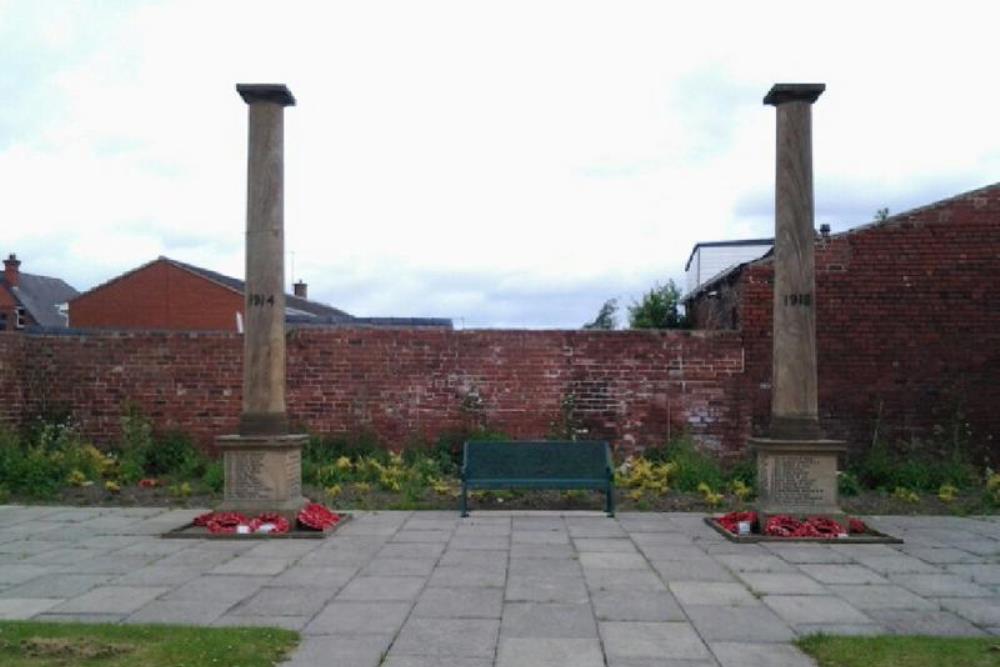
214,476
848,484
915,465
174,454
693,467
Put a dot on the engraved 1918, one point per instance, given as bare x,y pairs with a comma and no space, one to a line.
804,300
260,300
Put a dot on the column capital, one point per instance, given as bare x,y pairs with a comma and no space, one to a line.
794,92
276,93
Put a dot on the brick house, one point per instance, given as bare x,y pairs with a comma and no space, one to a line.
166,294
908,322
28,300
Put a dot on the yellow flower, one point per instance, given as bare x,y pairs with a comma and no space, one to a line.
112,486
362,487
947,493
343,464
333,491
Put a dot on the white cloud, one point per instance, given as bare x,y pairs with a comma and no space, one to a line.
506,163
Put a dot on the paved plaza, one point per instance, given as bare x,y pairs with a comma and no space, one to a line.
428,589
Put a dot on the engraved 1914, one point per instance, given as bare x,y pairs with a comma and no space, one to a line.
260,299
804,300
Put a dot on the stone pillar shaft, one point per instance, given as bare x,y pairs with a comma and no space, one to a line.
794,412
264,409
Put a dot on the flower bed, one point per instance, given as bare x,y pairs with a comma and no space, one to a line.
746,527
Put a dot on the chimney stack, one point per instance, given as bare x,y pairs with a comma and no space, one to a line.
301,290
10,270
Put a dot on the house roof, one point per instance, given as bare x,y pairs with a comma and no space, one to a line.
719,244
294,306
891,221
297,309
41,296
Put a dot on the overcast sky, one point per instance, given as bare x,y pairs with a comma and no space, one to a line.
500,163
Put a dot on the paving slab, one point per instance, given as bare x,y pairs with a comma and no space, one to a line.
331,576
353,650
923,622
842,573
254,566
400,566
382,588
610,580
940,585
560,551
744,624
464,637
741,654
612,544
613,560
781,583
739,562
549,652
284,601
465,602
652,640
633,605
712,593
553,620
15,609
111,600
981,611
183,612
216,588
350,618
532,588
864,596
451,576
797,609
704,569
56,586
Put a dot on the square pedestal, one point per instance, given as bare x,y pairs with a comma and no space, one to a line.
263,474
797,477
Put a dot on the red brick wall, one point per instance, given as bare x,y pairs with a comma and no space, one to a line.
908,323
635,388
11,372
158,296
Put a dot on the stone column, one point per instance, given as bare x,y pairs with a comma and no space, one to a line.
797,468
794,412
263,463
264,338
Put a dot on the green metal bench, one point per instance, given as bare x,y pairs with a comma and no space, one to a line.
538,464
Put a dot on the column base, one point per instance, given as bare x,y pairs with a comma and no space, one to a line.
263,474
797,477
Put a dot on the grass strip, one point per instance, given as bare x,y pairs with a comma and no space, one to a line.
33,644
902,651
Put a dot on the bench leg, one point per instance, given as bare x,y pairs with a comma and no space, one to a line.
464,506
609,502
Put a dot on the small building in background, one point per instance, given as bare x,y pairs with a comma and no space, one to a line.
711,258
167,294
28,300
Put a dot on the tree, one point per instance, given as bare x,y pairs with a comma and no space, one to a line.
881,215
658,309
605,317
